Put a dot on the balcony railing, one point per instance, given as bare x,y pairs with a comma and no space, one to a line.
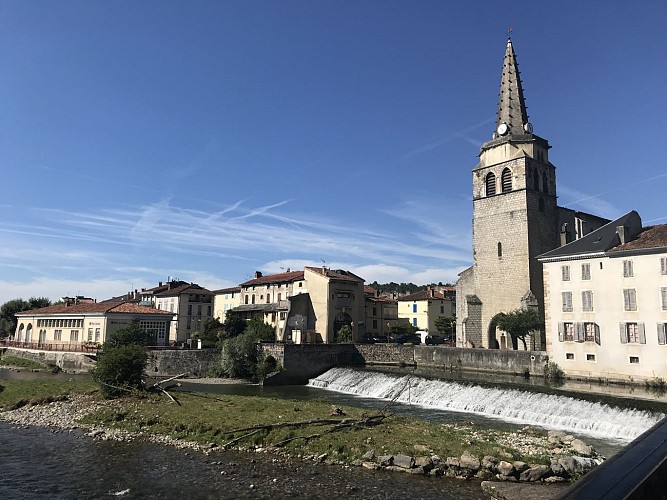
43,346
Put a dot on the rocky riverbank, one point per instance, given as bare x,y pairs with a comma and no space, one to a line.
570,457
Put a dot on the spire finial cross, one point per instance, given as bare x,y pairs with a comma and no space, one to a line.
509,32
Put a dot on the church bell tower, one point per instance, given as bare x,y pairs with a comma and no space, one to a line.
515,216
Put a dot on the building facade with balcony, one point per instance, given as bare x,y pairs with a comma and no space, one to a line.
64,326
306,306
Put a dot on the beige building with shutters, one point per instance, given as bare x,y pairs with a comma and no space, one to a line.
606,302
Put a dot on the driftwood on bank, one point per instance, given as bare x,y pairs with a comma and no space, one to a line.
336,425
157,386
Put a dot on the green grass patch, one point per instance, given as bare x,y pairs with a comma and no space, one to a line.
210,419
21,363
15,393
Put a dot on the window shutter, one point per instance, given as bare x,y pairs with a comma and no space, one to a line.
662,339
597,334
663,265
624,334
561,332
642,333
663,298
579,332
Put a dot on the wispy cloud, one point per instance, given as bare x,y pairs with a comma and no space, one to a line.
461,134
591,203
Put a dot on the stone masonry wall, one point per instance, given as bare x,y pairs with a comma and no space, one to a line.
195,362
70,362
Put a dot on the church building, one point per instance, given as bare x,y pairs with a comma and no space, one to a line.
515,219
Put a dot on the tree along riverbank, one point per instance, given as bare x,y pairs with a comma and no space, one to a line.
308,430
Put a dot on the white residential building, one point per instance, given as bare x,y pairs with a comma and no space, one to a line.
606,302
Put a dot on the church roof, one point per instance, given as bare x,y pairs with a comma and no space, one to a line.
511,103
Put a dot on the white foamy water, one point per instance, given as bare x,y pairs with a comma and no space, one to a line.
545,410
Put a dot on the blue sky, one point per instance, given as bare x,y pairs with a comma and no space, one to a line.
205,140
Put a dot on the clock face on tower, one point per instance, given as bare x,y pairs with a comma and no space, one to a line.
502,129
528,128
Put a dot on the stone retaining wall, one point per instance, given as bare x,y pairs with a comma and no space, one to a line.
70,362
196,362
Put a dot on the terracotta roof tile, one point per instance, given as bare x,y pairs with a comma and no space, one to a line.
424,295
275,278
649,237
187,287
337,274
109,306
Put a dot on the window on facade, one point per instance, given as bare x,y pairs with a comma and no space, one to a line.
632,333
663,298
569,355
662,333
590,357
414,308
252,299
190,309
506,180
567,301
627,269
585,271
536,180
490,184
414,321
199,310
442,309
74,336
565,272
375,311
587,300
630,299
565,332
500,249
57,335
279,297
634,360
246,299
545,184
283,315
375,324
90,334
592,333
97,334
663,265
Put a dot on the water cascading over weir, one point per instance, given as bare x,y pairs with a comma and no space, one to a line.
511,405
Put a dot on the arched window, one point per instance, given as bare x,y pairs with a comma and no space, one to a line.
20,333
28,333
490,184
506,180
246,299
536,180
545,184
279,296
500,249
252,300
541,204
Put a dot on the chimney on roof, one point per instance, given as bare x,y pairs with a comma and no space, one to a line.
258,274
621,231
159,283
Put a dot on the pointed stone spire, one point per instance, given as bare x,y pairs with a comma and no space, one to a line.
512,117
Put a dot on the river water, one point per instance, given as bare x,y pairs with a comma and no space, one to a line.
37,463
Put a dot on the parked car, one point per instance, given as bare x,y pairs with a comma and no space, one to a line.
405,339
435,339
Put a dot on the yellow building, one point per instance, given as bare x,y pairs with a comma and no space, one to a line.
224,300
421,309
63,326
